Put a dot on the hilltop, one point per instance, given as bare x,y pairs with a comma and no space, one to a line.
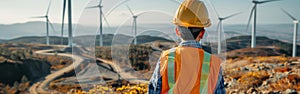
264,45
107,39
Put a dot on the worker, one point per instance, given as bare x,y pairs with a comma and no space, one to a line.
188,69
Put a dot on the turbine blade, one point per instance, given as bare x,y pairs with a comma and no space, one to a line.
116,6
176,1
218,27
92,7
250,17
141,13
100,2
231,15
293,18
132,27
214,8
261,2
39,17
130,10
48,8
106,21
51,25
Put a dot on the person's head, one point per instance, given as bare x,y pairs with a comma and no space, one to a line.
191,18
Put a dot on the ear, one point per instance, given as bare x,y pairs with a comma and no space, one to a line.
177,32
201,34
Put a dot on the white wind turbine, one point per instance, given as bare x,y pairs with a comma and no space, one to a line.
70,40
254,14
100,6
47,23
70,29
296,22
63,22
220,28
134,23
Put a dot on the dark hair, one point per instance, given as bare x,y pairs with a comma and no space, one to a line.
190,33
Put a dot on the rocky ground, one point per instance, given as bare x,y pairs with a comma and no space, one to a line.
262,75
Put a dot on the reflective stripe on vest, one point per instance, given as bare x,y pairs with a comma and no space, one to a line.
204,73
171,69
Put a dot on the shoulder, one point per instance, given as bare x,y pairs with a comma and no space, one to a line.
167,52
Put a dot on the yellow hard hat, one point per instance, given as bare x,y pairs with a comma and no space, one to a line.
192,13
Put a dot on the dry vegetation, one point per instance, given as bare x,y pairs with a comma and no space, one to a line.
17,88
262,74
18,55
245,72
138,55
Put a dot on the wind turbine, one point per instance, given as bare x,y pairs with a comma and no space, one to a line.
70,39
47,23
100,6
296,22
221,29
70,31
254,13
134,23
220,25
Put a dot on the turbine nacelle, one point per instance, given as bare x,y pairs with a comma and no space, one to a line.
227,17
100,6
296,22
261,2
48,23
221,19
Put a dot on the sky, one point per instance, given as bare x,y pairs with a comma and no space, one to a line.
161,11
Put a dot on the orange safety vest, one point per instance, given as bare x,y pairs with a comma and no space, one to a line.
187,70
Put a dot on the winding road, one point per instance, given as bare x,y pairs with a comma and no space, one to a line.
123,74
39,87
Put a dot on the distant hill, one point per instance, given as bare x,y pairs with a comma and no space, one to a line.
242,42
37,28
107,39
1,40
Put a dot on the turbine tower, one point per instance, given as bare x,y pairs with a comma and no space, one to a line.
254,14
63,22
70,31
220,29
100,6
134,23
47,23
296,22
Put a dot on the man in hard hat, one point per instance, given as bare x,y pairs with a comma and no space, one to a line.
188,69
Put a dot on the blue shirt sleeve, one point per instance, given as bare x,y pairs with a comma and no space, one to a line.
155,81
220,88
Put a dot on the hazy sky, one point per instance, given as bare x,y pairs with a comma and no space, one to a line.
20,11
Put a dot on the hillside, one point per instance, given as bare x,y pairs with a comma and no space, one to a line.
37,28
18,62
2,41
241,42
107,39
